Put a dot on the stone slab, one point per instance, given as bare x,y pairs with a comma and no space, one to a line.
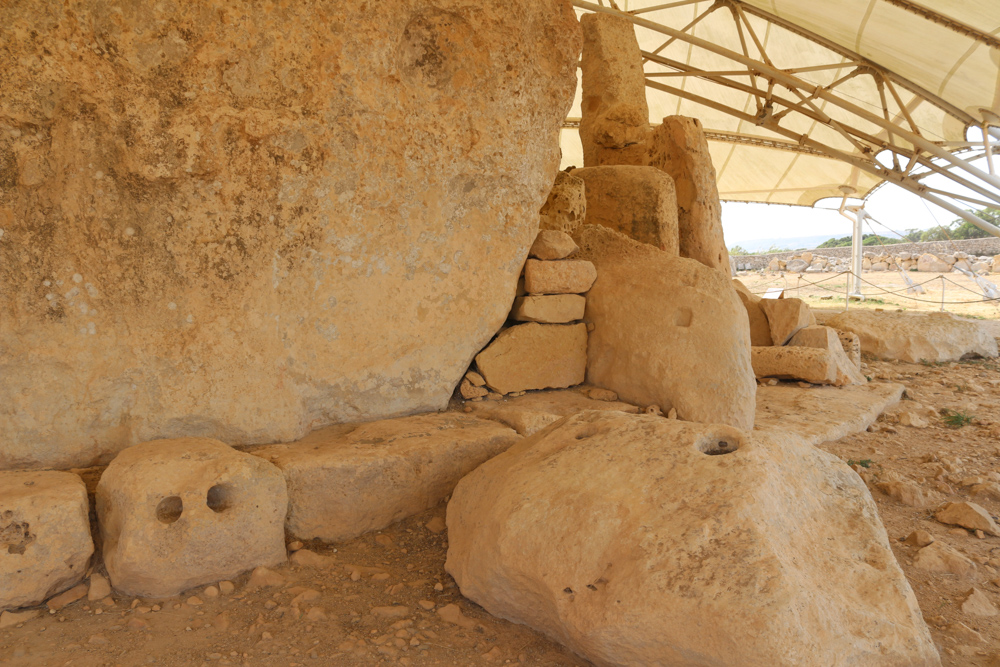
531,412
568,276
639,202
549,308
348,480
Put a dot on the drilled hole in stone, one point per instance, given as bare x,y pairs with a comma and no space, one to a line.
719,447
169,509
16,536
220,498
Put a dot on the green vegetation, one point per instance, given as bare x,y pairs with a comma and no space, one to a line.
740,250
956,231
864,463
957,419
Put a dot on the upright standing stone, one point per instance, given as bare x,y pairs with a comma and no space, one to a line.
614,127
760,331
321,207
639,202
667,331
679,147
45,543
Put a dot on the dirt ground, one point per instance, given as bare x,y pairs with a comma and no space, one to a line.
385,598
882,289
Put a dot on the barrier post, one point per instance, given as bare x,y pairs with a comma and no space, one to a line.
942,294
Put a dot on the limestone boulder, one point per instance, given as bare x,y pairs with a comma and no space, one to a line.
566,205
179,513
569,276
796,265
639,202
649,541
785,318
810,364
916,336
679,148
614,126
852,346
668,331
318,207
827,338
348,480
931,264
529,413
549,308
535,356
550,244
760,330
45,543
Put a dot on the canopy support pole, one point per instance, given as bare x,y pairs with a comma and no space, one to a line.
857,217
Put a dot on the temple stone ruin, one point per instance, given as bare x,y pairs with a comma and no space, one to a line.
639,202
45,543
624,568
199,220
267,298
178,513
614,128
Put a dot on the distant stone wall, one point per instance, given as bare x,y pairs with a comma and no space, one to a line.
990,246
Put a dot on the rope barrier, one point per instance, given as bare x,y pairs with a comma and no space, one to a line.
901,293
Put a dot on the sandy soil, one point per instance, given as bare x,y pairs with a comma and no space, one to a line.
884,289
403,566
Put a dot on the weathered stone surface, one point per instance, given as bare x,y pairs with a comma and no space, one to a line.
908,492
968,515
614,126
568,276
45,543
822,414
639,202
827,338
535,356
347,480
667,331
785,317
978,603
679,148
916,336
852,346
637,548
549,308
550,244
566,205
931,264
532,412
178,513
213,206
811,364
760,330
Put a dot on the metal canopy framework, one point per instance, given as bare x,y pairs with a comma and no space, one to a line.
804,100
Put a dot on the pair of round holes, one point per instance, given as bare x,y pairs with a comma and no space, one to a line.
218,499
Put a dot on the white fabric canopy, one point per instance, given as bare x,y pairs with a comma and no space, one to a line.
899,69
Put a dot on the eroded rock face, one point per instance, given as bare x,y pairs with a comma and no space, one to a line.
178,513
916,336
760,330
667,331
614,127
321,208
640,547
679,148
45,543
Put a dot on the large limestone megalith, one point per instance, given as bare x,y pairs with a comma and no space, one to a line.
614,127
639,202
638,540
667,331
679,147
246,221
